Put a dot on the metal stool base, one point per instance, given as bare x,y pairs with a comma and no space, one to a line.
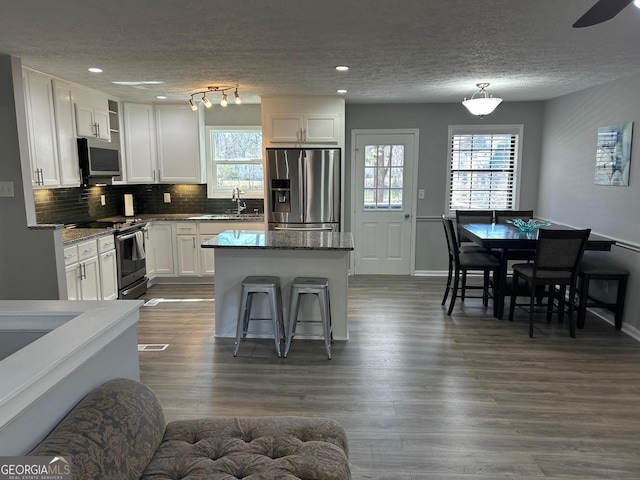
316,286
271,287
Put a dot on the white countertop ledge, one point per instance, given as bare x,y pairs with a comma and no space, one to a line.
72,333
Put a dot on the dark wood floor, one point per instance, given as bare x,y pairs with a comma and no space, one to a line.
421,395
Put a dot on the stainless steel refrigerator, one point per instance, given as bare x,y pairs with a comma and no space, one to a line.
303,189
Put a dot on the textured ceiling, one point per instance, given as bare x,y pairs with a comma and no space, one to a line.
398,51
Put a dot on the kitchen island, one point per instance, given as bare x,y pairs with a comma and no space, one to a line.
286,254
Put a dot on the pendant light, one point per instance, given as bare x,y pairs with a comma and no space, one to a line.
481,103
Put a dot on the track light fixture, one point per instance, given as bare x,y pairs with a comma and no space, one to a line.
483,104
223,100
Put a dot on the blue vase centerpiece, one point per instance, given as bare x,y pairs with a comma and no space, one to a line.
528,226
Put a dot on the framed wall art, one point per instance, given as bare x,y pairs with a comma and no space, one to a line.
613,154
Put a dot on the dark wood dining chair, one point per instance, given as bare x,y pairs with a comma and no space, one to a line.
555,266
501,216
471,216
461,263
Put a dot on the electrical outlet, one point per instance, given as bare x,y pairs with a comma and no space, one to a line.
103,200
421,193
167,197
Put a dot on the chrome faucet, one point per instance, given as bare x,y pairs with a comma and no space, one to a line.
235,196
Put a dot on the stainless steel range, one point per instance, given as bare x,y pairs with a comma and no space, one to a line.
132,265
130,253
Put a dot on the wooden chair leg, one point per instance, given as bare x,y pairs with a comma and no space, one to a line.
514,289
561,302
485,289
550,301
532,302
464,285
446,289
454,294
620,297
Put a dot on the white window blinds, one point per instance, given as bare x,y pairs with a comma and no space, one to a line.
483,170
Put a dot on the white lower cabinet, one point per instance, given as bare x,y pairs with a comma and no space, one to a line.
159,248
187,249
108,268
82,271
91,269
182,242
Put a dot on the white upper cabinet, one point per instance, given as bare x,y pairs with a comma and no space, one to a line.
178,137
66,135
303,120
162,143
92,114
41,128
305,128
92,122
140,143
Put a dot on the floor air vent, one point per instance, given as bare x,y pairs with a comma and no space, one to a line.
152,347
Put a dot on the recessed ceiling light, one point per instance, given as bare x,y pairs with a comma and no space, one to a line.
161,97
637,3
95,70
342,90
342,68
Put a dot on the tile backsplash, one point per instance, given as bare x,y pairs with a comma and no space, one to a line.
74,205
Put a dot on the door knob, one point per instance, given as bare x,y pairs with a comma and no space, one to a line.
407,216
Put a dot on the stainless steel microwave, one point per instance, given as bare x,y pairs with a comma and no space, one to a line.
99,160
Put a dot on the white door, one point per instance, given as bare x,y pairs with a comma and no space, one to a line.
384,180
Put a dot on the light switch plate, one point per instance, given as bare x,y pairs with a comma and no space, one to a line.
6,189
167,197
421,193
103,200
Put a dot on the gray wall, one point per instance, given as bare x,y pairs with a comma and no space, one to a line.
567,191
433,121
29,259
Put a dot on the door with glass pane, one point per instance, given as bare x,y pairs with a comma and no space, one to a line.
383,220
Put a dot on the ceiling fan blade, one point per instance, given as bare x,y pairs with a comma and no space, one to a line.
602,11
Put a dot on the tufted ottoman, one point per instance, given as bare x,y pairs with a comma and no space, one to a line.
251,448
118,432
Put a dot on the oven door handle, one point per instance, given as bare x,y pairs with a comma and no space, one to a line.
125,237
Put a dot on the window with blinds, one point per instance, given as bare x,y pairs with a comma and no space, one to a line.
483,168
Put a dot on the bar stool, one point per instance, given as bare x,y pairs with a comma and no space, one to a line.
316,286
271,287
589,270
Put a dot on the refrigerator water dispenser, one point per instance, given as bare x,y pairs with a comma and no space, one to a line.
281,195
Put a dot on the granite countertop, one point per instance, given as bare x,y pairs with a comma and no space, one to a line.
192,217
281,240
75,235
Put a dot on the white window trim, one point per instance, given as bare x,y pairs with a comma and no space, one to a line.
515,129
211,172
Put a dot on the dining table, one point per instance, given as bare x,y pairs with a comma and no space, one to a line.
506,237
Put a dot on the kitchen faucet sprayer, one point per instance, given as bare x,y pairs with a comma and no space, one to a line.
235,196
